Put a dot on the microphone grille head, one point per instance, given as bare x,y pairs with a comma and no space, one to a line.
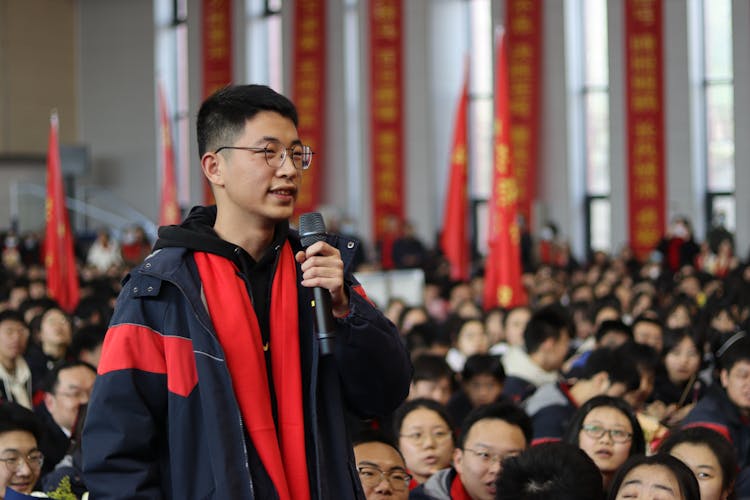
312,228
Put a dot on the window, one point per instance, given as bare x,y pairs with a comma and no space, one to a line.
265,43
595,103
718,111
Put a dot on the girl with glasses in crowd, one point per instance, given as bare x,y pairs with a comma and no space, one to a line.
608,431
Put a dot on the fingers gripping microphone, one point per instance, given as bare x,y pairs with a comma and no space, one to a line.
313,229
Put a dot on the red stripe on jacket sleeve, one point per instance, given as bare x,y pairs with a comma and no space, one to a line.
135,347
361,292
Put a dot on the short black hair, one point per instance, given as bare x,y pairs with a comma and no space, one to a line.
547,322
431,367
719,446
550,471
87,339
734,349
483,364
501,410
671,337
642,356
223,115
637,443
14,417
12,315
52,379
682,473
375,436
612,325
615,365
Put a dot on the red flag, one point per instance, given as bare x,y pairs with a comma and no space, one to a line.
59,259
502,284
170,210
454,240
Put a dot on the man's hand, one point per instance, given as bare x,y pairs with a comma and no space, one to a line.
322,266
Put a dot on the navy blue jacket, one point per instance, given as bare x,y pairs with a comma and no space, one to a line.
163,421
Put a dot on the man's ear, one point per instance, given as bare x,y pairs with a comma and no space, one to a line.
210,164
458,459
724,377
49,400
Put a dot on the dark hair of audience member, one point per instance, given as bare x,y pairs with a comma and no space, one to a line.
507,412
547,322
733,349
11,315
431,367
637,443
612,362
52,378
673,336
612,325
644,357
374,436
421,337
87,339
409,406
719,446
14,417
483,364
685,478
550,471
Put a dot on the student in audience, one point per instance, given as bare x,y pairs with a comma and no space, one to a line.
546,341
489,435
611,333
607,372
608,431
425,437
550,471
711,458
381,467
726,405
55,334
656,477
87,344
68,387
15,375
432,379
677,385
481,383
647,329
470,339
514,324
19,450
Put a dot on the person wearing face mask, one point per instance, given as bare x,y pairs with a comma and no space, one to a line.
678,248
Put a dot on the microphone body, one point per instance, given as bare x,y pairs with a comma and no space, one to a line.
313,229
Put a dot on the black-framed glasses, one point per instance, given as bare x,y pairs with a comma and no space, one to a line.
372,476
275,153
35,459
595,431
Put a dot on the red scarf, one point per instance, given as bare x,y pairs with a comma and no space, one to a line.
239,334
458,492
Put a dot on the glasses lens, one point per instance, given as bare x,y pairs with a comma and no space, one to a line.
275,154
301,156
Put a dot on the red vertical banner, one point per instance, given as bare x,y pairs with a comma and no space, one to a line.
645,124
309,93
386,112
502,282
59,258
169,211
454,239
524,24
216,39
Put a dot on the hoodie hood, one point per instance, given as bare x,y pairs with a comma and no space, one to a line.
197,233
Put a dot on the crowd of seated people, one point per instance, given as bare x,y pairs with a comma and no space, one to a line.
612,368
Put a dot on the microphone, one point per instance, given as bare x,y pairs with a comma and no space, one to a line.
313,229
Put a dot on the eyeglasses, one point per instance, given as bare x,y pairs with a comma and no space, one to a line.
372,476
35,459
438,435
276,153
489,458
597,431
